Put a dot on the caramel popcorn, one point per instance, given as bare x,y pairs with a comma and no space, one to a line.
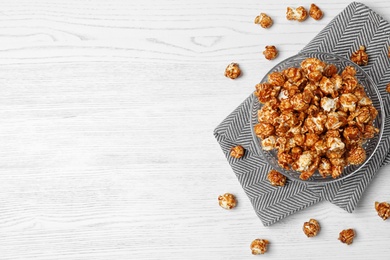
232,71
276,79
270,52
388,88
237,152
311,228
388,52
299,14
227,201
383,209
264,20
346,236
315,12
259,246
360,56
316,119
276,178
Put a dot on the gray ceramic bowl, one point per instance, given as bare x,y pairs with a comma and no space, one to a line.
371,146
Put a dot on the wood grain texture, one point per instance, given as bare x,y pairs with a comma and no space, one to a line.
107,110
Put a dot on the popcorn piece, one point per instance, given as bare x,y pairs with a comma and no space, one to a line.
327,87
315,12
311,140
320,147
383,209
313,64
335,120
259,246
265,92
296,152
370,131
352,135
315,124
360,56
310,171
388,52
325,167
269,143
349,70
267,115
284,160
264,130
227,201
299,14
270,52
276,178
293,74
311,228
304,161
264,20
237,151
348,102
330,70
356,155
315,76
346,236
328,104
337,81
349,84
298,102
276,79
232,71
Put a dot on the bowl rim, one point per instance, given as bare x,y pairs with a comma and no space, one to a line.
255,138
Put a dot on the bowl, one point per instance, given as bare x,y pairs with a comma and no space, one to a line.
371,145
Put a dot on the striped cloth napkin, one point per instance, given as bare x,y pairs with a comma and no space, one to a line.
356,25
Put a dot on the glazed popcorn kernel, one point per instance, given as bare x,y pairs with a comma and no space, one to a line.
311,228
259,246
270,52
388,88
237,152
232,71
227,201
299,14
346,236
264,20
360,57
383,209
356,155
388,52
315,12
276,178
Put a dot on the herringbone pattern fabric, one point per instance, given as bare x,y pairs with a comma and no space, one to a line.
356,25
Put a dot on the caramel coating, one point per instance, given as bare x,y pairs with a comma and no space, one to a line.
360,57
356,155
276,178
227,201
270,52
315,12
237,151
311,228
299,14
232,71
259,246
388,52
263,20
346,236
276,79
383,209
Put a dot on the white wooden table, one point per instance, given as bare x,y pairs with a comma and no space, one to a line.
107,111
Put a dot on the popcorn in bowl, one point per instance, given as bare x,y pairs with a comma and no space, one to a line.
315,119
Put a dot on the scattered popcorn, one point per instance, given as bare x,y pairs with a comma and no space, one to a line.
360,56
311,228
346,236
276,178
264,20
232,71
299,14
383,209
315,12
237,152
270,52
227,201
259,246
